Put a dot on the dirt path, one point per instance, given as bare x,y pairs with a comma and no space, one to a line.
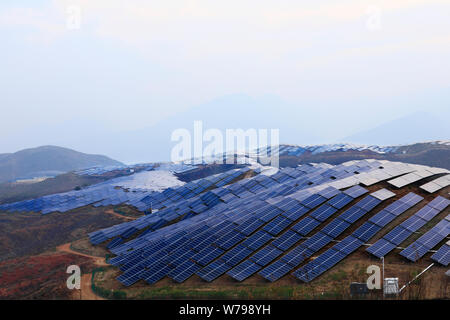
86,283
109,211
99,261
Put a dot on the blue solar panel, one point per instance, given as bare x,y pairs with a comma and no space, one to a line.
213,270
366,231
230,239
320,265
413,223
157,274
414,252
352,214
287,240
381,248
244,270
305,226
348,245
275,270
297,255
368,203
397,235
397,208
268,213
411,199
356,191
313,201
427,213
277,225
442,256
236,255
266,255
317,241
184,271
207,255
295,213
439,203
335,228
250,225
382,218
257,240
340,201
323,212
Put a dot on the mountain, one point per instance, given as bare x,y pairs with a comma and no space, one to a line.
47,161
237,111
420,126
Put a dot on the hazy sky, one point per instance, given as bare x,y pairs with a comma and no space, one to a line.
131,64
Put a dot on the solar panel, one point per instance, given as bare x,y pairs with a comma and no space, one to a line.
207,255
264,256
236,255
427,213
184,271
348,245
287,240
213,270
297,255
442,256
340,201
382,218
305,226
313,201
397,235
323,212
439,203
368,203
317,241
413,223
244,270
320,265
275,270
381,248
250,225
366,231
383,194
414,252
353,214
335,228
257,240
277,225
397,208
355,191
230,239
296,212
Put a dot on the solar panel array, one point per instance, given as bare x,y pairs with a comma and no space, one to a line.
285,183
348,245
437,184
107,193
442,256
428,241
401,232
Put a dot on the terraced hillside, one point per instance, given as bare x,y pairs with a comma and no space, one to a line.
293,226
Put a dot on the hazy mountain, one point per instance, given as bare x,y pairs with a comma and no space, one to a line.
229,112
416,127
46,160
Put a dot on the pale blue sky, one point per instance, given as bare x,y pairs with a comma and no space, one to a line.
133,64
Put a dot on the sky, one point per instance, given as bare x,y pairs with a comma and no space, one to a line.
100,68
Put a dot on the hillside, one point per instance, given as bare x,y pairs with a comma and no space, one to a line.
47,161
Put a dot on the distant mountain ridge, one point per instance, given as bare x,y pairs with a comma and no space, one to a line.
47,161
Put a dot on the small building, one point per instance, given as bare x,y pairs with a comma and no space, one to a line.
390,288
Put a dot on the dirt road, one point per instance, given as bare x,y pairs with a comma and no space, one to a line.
86,283
110,211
